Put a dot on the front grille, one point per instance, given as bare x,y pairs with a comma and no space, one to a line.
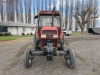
49,36
45,41
49,32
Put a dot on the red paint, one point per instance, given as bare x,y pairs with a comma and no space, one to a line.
61,33
49,28
37,33
49,13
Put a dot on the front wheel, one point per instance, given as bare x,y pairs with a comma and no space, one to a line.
70,59
28,58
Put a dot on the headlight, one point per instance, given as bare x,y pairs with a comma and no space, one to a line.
55,36
43,36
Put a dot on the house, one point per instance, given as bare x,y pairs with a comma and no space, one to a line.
16,28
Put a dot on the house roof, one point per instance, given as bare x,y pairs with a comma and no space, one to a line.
16,24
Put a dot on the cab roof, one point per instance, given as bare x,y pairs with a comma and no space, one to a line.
49,13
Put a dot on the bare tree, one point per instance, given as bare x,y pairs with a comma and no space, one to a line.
26,10
10,10
21,10
42,4
37,3
29,12
76,7
34,7
95,12
16,3
60,8
1,9
71,15
82,16
49,4
45,4
66,13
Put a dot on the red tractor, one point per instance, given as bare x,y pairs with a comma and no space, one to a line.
49,40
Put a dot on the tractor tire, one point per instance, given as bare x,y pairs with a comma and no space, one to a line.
28,58
70,58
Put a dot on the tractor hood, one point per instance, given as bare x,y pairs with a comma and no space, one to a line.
49,32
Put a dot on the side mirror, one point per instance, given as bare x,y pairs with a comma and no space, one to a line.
35,17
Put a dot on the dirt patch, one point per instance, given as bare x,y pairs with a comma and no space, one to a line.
16,58
87,59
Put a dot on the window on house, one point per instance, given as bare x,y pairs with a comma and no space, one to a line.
24,29
32,28
3,29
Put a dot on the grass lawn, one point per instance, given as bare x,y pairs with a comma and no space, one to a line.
6,38
79,33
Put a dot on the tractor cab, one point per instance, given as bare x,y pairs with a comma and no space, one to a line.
49,19
49,28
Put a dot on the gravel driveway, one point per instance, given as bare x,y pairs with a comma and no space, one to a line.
87,49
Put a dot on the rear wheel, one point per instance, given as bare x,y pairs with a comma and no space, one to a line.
28,58
70,58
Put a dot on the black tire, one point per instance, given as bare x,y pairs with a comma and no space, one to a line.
28,58
70,59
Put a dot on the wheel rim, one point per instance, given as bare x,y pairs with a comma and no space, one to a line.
68,59
30,58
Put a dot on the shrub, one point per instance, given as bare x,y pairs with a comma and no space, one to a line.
1,34
27,33
31,33
8,34
23,34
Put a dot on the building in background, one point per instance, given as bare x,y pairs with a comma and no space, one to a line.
16,28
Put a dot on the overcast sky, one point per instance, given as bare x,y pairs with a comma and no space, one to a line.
57,7
98,19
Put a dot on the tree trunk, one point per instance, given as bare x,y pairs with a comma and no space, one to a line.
1,10
82,31
76,26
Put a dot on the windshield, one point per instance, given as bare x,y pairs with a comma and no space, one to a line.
47,21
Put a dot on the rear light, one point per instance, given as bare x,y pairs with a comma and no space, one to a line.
43,36
55,36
